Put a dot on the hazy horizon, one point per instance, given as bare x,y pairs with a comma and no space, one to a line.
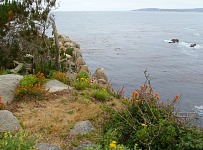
125,5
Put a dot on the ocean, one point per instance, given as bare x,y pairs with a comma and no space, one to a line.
127,43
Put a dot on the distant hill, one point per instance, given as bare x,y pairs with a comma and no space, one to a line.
171,10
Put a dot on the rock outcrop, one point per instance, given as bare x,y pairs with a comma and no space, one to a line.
100,76
8,84
82,127
55,85
8,122
47,146
193,45
84,145
174,41
76,62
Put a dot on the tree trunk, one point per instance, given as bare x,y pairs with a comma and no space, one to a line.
57,59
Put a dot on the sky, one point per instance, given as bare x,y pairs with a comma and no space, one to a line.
125,5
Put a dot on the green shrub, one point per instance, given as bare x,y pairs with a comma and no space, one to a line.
83,75
19,141
69,51
100,95
31,85
4,71
59,76
81,85
82,81
151,124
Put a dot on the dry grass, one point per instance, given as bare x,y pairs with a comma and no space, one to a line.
51,118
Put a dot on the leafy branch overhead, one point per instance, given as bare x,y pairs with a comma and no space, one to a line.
23,24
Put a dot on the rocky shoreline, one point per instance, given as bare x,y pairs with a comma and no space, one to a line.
76,64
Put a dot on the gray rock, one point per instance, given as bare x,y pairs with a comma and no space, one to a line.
84,68
8,84
80,61
69,45
100,74
8,122
47,146
84,145
82,127
55,85
78,52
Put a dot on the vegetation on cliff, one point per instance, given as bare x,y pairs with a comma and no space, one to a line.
141,121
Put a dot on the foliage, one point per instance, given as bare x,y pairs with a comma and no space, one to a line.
44,66
191,138
59,76
151,124
4,71
81,83
82,80
31,85
81,75
120,92
69,51
22,31
100,95
19,141
2,105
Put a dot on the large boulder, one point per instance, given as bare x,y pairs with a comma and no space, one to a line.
100,75
83,145
47,146
8,84
8,122
82,127
55,85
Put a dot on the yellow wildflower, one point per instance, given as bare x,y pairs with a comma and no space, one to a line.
112,144
144,125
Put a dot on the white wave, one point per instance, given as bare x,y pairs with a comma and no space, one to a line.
167,41
196,34
199,110
188,29
187,45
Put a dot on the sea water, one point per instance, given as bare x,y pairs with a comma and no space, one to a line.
126,44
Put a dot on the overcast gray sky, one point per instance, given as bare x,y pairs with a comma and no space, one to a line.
123,5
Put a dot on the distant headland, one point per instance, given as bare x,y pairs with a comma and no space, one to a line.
170,10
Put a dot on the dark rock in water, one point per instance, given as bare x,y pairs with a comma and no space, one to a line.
174,41
193,45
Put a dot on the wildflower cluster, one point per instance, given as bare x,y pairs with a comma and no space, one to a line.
150,123
100,94
2,105
31,85
62,77
120,93
82,81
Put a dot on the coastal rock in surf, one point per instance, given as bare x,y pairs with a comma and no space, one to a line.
100,74
174,41
193,45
